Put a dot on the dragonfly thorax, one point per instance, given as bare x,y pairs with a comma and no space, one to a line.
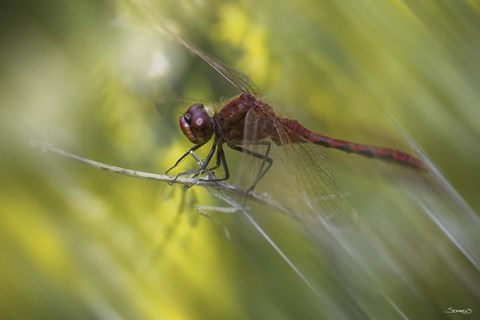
196,124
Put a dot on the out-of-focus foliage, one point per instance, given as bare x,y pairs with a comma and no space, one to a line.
86,76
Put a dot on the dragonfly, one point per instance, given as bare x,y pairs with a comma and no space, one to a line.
247,121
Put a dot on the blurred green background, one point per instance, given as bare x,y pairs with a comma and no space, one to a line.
86,75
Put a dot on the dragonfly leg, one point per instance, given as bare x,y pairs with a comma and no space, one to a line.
267,152
266,160
221,161
200,165
211,174
195,147
203,166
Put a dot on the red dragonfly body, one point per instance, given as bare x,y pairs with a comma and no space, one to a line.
247,121
233,118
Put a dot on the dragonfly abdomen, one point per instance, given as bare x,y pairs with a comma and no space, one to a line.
380,153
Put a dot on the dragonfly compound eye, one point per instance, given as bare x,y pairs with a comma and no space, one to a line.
196,124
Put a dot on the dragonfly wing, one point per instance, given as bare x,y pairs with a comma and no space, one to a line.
300,177
239,80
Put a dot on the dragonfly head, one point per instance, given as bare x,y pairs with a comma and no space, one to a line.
196,124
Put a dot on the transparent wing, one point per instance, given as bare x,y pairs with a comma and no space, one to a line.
236,78
300,178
